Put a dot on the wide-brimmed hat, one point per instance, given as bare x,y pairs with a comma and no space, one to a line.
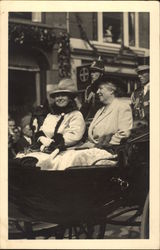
143,68
114,82
65,86
97,66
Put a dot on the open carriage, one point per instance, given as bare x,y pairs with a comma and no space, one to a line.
79,198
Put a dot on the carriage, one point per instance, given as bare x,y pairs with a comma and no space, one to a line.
82,198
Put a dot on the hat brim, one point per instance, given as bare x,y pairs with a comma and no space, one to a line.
64,92
142,70
95,69
115,80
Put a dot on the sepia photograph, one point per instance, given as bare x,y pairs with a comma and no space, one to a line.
79,125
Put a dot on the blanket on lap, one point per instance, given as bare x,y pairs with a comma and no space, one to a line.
71,158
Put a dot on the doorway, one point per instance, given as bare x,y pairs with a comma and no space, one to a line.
21,93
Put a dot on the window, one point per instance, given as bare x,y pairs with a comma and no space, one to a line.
112,27
56,19
144,30
131,27
21,15
31,16
83,24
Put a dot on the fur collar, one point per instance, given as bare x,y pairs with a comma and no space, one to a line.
69,108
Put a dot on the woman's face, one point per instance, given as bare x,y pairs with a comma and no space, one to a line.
104,93
61,100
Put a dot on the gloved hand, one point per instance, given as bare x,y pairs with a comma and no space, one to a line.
104,141
45,140
50,148
59,141
38,134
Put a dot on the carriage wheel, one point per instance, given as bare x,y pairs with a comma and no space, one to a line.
93,231
82,231
144,234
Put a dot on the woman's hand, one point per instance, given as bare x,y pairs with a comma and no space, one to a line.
45,140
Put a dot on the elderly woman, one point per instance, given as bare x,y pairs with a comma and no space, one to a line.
113,121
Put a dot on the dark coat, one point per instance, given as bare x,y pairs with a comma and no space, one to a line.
140,104
21,144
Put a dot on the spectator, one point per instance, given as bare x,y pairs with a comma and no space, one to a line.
91,103
140,98
25,139
13,137
108,37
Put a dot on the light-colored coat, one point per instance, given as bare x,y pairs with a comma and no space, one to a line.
116,120
72,127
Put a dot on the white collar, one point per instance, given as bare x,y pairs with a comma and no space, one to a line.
28,139
146,88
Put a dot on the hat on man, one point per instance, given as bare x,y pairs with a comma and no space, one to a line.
65,86
143,68
97,66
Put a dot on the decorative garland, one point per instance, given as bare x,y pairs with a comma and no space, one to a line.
31,35
24,35
64,55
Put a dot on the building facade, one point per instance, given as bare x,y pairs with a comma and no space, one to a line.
44,47
126,45
34,40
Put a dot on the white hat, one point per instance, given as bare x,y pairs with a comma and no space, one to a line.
65,86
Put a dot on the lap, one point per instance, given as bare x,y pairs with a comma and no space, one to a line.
70,158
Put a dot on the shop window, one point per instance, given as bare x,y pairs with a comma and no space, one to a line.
144,30
21,15
56,19
30,16
112,27
131,22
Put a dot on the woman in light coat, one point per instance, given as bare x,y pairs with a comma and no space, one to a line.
113,120
64,126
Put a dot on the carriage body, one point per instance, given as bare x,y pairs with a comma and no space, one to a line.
78,195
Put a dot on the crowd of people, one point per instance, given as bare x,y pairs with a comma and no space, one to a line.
57,137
